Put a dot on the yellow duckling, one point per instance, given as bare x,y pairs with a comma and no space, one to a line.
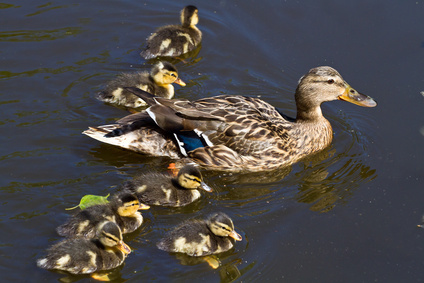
234,133
122,209
214,235
84,256
174,40
158,82
164,189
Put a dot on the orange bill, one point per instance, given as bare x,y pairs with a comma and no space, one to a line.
236,236
206,187
124,248
352,96
178,81
143,206
173,168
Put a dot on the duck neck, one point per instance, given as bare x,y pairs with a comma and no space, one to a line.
169,89
313,130
193,27
309,114
177,184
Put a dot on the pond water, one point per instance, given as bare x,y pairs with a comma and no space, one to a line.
347,214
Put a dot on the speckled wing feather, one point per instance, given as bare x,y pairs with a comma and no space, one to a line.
242,130
254,133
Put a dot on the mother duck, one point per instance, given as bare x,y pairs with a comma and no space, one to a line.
234,133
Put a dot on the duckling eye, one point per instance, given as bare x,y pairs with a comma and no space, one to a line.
330,81
191,179
174,75
108,237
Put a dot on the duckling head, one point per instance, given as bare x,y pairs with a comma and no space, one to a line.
110,236
127,204
222,225
323,84
164,73
189,177
189,16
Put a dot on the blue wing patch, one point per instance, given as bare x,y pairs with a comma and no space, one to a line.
190,140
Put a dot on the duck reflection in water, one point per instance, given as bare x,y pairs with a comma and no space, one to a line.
324,188
114,275
323,180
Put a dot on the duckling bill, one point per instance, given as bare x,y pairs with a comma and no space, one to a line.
166,190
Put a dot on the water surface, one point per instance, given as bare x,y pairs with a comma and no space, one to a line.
347,214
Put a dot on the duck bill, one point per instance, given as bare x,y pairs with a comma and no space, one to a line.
173,168
143,206
352,96
124,248
206,187
236,236
178,81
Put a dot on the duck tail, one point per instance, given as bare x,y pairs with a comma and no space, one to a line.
146,54
105,96
110,134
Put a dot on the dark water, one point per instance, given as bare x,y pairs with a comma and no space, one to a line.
348,214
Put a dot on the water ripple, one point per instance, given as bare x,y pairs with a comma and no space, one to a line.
38,35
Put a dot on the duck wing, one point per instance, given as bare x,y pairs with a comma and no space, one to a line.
220,131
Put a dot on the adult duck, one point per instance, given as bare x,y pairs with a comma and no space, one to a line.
234,133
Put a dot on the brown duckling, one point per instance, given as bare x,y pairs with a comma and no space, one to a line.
167,190
213,235
84,256
158,82
175,40
122,209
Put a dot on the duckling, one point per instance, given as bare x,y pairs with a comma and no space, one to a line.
122,209
158,82
175,40
213,235
164,189
84,256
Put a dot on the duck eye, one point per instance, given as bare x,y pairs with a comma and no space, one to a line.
108,237
174,75
330,81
